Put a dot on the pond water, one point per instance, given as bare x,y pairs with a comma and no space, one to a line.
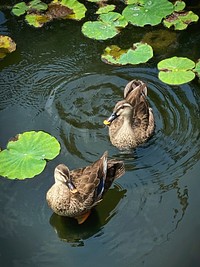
56,82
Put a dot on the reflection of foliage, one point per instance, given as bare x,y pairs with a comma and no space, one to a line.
26,153
182,197
176,70
160,40
7,45
139,53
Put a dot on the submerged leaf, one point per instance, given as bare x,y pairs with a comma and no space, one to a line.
176,70
107,26
25,155
139,53
143,12
180,21
7,45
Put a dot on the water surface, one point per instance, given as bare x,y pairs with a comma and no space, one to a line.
56,82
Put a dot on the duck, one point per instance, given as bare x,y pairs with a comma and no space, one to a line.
76,192
132,121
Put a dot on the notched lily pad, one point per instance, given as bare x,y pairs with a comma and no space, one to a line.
26,153
143,12
180,20
176,70
7,45
139,53
106,27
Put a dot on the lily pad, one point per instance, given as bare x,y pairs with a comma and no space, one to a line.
143,12
107,26
139,53
36,20
26,153
197,68
20,9
179,6
176,70
78,9
105,9
33,6
7,45
181,20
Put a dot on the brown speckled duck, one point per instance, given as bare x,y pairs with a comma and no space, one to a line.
132,120
76,192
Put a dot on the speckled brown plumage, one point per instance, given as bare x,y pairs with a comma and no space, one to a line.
75,192
132,120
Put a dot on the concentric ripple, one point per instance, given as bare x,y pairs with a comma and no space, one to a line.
83,103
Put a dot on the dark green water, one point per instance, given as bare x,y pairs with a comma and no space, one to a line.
56,82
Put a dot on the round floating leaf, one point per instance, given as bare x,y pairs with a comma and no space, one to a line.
20,9
105,9
7,45
78,9
180,21
197,68
107,26
36,20
98,30
176,70
25,155
145,12
140,53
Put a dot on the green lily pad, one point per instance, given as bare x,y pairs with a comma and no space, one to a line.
105,9
181,20
197,68
139,53
20,9
143,12
179,6
33,6
37,5
7,45
36,20
176,70
107,26
25,155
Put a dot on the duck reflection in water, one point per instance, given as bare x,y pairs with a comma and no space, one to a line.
68,230
76,192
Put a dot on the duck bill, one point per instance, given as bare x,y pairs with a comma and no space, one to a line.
112,117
